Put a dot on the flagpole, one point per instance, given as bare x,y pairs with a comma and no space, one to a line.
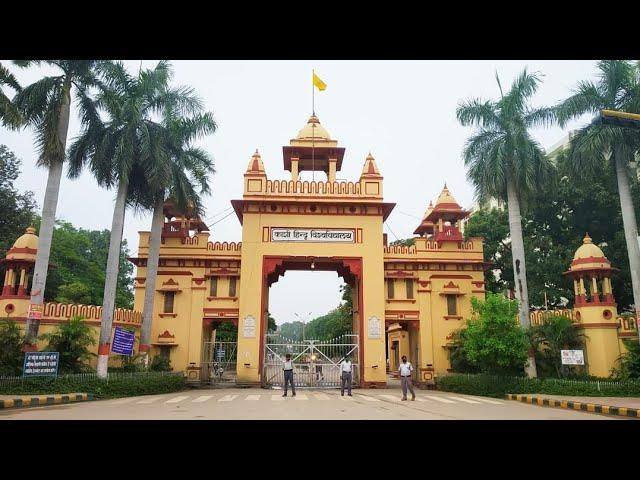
313,125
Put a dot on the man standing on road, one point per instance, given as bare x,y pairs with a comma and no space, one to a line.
287,367
405,378
346,375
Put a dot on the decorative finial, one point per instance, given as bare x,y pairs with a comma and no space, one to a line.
445,186
31,229
256,154
370,157
587,238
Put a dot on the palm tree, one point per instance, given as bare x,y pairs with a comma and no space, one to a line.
9,115
46,106
129,150
617,88
504,162
189,165
552,336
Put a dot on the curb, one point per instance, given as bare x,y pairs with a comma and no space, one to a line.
39,400
571,405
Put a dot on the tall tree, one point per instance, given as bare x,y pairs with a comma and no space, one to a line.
505,162
46,106
553,228
128,151
18,209
616,88
188,179
78,257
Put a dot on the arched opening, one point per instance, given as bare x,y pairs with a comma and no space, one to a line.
220,351
317,343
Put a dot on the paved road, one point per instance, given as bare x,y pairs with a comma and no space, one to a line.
249,404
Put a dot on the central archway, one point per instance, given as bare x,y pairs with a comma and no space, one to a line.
350,269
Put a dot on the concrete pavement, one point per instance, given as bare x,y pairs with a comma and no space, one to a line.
253,404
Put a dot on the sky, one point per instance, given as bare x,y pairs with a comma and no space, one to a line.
403,112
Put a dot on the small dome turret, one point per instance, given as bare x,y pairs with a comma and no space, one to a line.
25,247
255,164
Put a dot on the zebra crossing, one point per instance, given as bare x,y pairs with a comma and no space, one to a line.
219,398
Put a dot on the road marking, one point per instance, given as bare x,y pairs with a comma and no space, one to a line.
253,397
420,399
277,398
485,400
227,398
368,399
177,399
393,398
465,400
346,397
149,400
202,398
301,396
439,399
321,396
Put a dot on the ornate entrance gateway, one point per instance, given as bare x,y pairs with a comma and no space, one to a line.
316,363
415,295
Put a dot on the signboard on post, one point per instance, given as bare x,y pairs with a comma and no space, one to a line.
35,311
41,364
572,357
123,341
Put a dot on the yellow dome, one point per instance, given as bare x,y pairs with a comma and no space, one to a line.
314,130
588,249
25,247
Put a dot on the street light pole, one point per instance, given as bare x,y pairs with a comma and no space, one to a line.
304,322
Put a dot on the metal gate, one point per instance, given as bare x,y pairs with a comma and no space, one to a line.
219,361
316,363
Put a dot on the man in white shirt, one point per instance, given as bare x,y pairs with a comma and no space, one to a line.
287,368
346,375
405,378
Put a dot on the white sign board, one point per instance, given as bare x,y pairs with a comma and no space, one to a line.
572,357
374,328
249,327
312,235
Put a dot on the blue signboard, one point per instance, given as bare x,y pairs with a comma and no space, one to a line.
123,341
39,364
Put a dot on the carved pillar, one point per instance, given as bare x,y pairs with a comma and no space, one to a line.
583,293
607,290
595,298
294,169
8,283
332,169
22,286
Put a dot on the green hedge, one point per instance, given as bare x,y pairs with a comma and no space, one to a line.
495,386
117,384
